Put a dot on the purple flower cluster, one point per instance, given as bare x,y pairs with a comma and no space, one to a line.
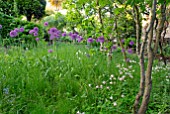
34,31
130,51
14,33
54,33
100,39
90,40
131,43
76,36
46,24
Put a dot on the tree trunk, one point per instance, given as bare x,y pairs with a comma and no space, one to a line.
148,81
138,28
29,17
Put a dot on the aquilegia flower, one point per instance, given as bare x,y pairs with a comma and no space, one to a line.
90,40
46,24
13,33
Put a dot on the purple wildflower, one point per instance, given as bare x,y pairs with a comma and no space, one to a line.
37,39
52,30
31,31
35,34
46,24
36,29
130,51
131,43
16,30
13,33
73,36
122,40
0,26
113,47
90,40
21,29
100,39
70,34
50,51
64,34
52,37
79,39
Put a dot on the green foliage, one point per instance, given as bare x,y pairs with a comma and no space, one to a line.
10,23
7,7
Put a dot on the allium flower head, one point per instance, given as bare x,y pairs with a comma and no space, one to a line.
46,24
90,40
35,34
64,34
31,31
100,39
16,30
52,37
13,33
130,51
53,30
73,36
0,26
79,39
37,39
131,43
122,40
21,29
36,29
50,51
113,47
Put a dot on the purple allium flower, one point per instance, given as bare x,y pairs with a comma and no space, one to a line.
0,26
100,39
122,40
50,51
52,37
131,43
52,30
113,47
130,51
36,29
73,36
21,29
46,24
13,33
64,34
16,30
37,39
56,35
70,34
31,31
79,39
35,34
90,40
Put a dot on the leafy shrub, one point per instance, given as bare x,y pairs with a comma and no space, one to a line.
10,23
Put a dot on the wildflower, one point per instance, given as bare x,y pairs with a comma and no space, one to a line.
130,51
89,85
122,96
111,97
31,31
107,87
111,76
64,34
13,33
50,51
90,40
21,29
35,34
52,30
111,83
46,24
36,29
113,47
52,37
100,39
37,39
123,50
73,36
97,87
16,30
0,26
114,103
122,40
104,82
79,39
101,86
131,43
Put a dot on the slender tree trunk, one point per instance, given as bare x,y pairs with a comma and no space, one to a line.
138,28
148,81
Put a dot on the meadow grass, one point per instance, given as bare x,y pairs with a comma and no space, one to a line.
74,79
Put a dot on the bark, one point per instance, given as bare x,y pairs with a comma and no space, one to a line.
148,81
29,17
138,28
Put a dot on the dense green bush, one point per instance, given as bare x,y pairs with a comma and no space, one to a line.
10,23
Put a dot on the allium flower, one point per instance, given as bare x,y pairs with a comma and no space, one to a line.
36,29
90,40
122,40
53,30
64,34
35,34
21,29
0,26
31,31
46,24
50,51
79,39
130,51
37,39
13,33
131,43
100,39
70,34
52,37
113,47
73,36
16,30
